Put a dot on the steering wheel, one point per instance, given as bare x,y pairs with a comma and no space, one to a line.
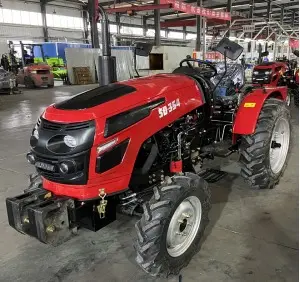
210,65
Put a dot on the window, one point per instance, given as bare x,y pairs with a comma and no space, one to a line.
70,22
34,18
191,36
151,32
78,23
175,35
16,17
131,30
56,21
113,28
7,16
25,17
49,19
1,15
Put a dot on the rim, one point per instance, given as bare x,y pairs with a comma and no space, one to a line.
288,99
279,145
184,226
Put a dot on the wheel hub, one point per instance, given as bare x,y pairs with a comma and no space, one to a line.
184,226
279,145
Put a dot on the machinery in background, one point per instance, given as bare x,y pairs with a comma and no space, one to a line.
8,83
292,78
270,74
33,74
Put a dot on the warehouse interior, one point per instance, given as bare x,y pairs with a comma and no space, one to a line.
149,140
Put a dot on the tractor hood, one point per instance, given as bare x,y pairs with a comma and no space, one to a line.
115,98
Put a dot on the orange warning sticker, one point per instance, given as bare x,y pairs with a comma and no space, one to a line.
249,105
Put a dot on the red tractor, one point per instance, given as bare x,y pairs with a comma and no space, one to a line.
270,74
134,146
278,73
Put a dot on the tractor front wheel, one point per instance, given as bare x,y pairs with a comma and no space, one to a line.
296,97
172,225
264,154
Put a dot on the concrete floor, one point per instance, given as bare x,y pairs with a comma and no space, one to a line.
252,236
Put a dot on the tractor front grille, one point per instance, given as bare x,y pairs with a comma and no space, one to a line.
79,177
54,126
260,77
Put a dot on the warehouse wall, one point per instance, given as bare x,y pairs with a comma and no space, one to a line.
12,31
17,31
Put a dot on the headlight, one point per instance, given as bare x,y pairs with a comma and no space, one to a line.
267,72
70,141
30,158
255,72
36,134
34,72
66,167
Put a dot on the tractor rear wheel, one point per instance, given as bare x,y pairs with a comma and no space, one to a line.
264,154
296,97
172,225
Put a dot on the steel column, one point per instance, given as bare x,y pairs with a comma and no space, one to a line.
85,25
157,24
198,24
251,11
184,32
269,10
144,26
281,14
228,9
44,20
204,37
293,19
93,14
118,23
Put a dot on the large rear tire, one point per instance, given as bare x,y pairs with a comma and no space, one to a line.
172,225
264,154
296,97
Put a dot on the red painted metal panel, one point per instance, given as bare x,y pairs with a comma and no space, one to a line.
199,11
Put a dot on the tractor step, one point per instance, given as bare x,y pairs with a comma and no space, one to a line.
220,149
212,175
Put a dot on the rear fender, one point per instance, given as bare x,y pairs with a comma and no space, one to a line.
250,108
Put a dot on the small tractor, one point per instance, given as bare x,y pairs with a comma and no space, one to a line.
278,73
32,74
134,146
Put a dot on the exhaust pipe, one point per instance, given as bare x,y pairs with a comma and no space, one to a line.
106,63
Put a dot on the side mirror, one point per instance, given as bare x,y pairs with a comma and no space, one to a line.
232,49
143,49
